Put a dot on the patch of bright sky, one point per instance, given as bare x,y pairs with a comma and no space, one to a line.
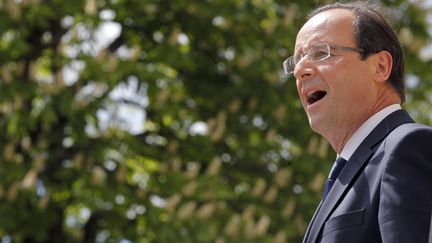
198,128
125,108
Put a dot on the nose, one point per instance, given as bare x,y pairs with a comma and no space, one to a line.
304,69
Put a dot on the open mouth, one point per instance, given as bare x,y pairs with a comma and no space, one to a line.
315,96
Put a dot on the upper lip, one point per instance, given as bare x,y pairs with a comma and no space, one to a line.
308,91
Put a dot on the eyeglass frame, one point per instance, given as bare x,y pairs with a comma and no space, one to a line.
290,61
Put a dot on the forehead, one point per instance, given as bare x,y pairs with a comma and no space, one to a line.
333,26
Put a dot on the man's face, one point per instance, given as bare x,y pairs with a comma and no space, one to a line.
337,93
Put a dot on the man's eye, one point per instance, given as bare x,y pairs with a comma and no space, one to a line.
318,55
298,57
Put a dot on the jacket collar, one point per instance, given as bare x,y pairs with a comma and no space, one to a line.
357,161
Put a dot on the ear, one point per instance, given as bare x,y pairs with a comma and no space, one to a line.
384,65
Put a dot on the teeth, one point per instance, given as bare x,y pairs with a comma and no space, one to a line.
314,95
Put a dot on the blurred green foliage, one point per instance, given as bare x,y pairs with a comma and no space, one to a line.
164,121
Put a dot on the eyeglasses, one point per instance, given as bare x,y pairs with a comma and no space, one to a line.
316,53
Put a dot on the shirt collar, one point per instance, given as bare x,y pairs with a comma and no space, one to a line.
363,131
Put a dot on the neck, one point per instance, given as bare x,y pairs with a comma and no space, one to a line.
339,140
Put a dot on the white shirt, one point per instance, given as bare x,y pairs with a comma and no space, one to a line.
363,131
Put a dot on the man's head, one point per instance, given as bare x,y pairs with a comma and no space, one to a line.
373,34
348,65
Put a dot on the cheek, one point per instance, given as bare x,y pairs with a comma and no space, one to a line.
353,93
299,87
345,76
298,84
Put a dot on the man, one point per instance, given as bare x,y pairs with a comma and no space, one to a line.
348,65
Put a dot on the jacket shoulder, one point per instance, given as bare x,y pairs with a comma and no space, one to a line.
410,134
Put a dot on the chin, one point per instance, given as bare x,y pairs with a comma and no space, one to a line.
318,127
313,124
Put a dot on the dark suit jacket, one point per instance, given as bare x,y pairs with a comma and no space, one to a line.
384,192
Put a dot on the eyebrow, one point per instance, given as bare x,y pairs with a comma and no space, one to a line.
309,45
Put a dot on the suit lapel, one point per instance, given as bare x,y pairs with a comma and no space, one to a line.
307,234
354,166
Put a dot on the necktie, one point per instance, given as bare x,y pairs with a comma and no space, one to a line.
334,173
